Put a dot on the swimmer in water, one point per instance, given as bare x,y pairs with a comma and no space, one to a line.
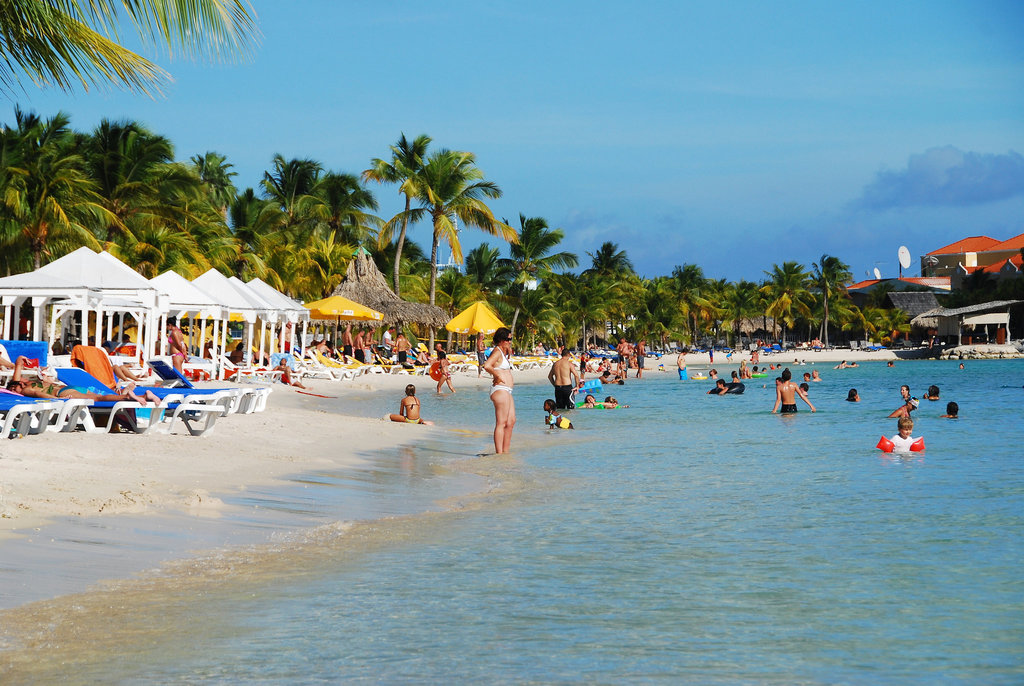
785,395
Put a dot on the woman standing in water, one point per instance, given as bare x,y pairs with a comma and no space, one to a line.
499,366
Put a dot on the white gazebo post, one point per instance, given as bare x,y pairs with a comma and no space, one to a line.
263,332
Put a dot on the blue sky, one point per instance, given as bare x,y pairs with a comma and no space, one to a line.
732,135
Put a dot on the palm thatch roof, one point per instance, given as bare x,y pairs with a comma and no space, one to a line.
930,319
912,302
365,284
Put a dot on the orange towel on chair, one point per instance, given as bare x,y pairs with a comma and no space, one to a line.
95,361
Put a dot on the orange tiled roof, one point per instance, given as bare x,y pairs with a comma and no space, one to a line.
972,244
1015,243
995,268
861,284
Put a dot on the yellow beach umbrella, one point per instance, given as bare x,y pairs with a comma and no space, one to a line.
337,307
477,318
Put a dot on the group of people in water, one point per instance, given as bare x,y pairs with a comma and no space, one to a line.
568,378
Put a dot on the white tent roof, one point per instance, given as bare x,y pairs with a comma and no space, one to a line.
233,299
36,281
278,299
86,268
184,295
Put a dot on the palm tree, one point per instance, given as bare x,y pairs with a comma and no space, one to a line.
214,171
484,266
345,206
741,302
134,172
290,186
61,42
48,194
610,261
406,163
830,276
532,257
689,284
451,187
787,293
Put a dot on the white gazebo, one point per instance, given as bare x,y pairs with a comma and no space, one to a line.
83,282
237,303
291,310
186,299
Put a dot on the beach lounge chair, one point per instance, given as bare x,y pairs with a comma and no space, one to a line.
248,373
241,400
21,416
198,418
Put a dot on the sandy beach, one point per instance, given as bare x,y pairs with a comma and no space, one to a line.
58,475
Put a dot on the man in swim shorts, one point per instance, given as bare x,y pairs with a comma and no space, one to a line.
564,377
785,395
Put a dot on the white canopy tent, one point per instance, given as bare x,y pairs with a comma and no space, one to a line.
120,289
82,282
292,310
235,303
186,299
40,290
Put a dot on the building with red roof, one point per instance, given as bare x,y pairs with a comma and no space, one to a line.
975,254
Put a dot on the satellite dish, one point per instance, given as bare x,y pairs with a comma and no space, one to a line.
904,256
878,274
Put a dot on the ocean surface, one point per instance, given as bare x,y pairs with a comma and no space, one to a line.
685,539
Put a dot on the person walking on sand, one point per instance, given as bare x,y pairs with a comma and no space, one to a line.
409,409
481,354
499,366
564,377
786,393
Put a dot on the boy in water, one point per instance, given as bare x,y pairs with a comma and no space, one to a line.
786,393
554,420
902,441
952,411
409,409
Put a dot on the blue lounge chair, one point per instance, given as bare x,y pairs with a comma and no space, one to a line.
174,401
243,400
21,416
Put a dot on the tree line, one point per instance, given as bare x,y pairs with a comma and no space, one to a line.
120,188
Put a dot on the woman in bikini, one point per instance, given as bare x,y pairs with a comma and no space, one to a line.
176,345
409,409
499,366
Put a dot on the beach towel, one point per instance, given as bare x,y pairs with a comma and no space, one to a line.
95,361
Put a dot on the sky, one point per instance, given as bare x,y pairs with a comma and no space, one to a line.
730,135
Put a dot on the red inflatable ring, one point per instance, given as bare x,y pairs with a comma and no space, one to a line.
435,370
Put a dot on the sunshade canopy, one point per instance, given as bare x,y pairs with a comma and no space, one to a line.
477,318
338,307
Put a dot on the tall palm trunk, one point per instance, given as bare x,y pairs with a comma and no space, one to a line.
433,280
824,324
401,242
515,317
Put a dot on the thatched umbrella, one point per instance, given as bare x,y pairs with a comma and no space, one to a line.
365,284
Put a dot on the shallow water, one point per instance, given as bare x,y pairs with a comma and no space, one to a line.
686,539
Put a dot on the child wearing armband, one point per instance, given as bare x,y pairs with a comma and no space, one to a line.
902,442
553,420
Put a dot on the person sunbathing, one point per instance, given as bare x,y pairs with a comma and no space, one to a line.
55,390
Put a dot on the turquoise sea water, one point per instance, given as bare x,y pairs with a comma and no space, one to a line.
686,539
